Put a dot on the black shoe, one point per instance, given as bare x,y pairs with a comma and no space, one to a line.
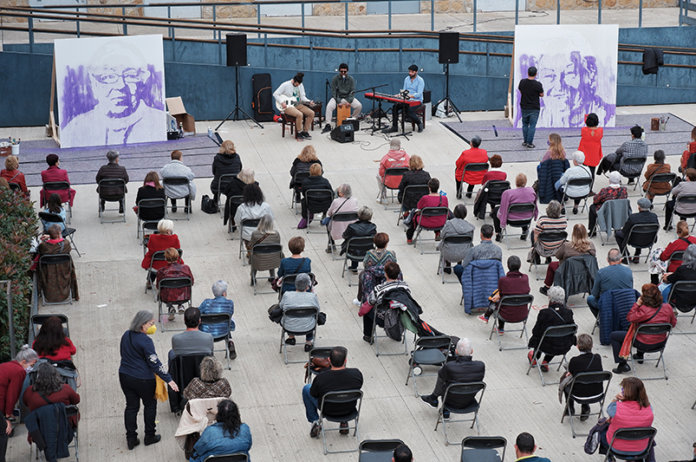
524,144
498,237
531,145
173,209
459,195
232,350
544,290
430,399
523,237
621,368
367,339
152,439
447,269
316,430
132,442
638,357
308,347
327,128
468,195
575,210
419,125
548,260
306,135
584,412
290,341
445,414
390,130
344,430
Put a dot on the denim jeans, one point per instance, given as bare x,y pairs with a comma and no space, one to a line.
529,121
311,404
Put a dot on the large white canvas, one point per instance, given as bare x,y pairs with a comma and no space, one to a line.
577,65
110,90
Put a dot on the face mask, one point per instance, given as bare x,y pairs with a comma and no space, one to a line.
151,330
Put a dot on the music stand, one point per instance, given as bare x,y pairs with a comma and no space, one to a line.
447,100
234,114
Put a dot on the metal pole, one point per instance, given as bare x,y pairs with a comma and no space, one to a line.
474,15
125,25
599,11
30,29
517,12
215,22
303,26
640,13
345,12
389,12
77,22
558,11
10,324
432,15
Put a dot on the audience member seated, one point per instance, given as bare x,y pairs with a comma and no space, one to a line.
456,226
415,176
591,141
556,314
579,244
685,187
301,297
162,240
396,157
226,162
473,155
525,449
576,172
12,174
51,342
217,305
55,174
634,149
553,221
12,375
151,189
344,202
301,164
520,195
174,269
685,272
235,187
361,228
555,150
315,180
643,216
211,383
550,170
462,370
648,309
392,273
402,453
49,388
54,206
176,169
191,341
253,207
614,276
690,149
513,283
295,263
228,435
379,256
112,170
486,250
586,361
338,378
612,192
494,173
629,409
56,281
264,233
684,240
659,167
433,199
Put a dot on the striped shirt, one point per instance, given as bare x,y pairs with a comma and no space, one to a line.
381,290
546,223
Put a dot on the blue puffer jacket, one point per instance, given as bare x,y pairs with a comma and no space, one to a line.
613,306
548,173
486,273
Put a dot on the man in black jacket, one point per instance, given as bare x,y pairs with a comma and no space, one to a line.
361,228
112,171
462,370
644,216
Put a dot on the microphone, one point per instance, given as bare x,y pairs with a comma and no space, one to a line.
495,131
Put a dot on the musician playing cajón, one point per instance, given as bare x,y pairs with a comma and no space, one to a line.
412,90
291,99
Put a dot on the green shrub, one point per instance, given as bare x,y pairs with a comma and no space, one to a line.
18,225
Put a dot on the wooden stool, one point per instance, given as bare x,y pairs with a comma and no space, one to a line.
290,120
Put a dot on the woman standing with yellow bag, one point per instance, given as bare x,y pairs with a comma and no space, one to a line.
139,366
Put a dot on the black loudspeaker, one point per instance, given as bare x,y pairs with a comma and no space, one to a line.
449,48
236,50
343,133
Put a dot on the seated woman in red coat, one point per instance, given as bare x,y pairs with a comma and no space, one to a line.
630,408
474,155
164,239
690,150
513,283
53,174
174,269
49,386
51,342
495,172
433,199
684,240
648,309
12,174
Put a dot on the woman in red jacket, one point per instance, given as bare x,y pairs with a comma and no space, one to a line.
49,385
648,309
475,155
54,174
12,174
164,239
51,342
591,142
684,239
12,375
630,408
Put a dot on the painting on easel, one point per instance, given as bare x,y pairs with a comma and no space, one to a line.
110,90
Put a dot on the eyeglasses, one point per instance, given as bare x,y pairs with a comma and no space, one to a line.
343,71
129,76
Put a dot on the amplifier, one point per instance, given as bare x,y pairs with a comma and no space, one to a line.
354,122
343,133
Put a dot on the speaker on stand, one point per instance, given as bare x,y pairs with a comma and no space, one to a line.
448,52
236,56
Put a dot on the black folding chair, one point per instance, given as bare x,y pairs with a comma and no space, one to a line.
356,248
296,312
290,278
651,329
483,449
579,183
683,290
316,352
415,191
641,236
297,189
54,218
396,172
223,181
219,318
631,434
561,331
37,321
172,283
547,236
317,201
377,450
338,217
475,167
458,392
458,240
340,397
660,178
688,201
157,256
494,192
427,351
236,457
637,163
512,301
150,212
519,208
115,192
233,200
178,181
430,212
586,378
183,369
55,186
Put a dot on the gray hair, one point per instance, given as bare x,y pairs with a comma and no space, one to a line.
579,157
554,208
556,294
112,156
615,178
346,190
464,347
613,255
365,213
302,282
219,288
266,224
211,369
141,318
165,225
689,259
395,144
48,380
246,175
27,354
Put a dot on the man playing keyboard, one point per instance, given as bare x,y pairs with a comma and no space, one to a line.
290,99
413,90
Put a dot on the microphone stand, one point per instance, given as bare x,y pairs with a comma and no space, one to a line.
380,112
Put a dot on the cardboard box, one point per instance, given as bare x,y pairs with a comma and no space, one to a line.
176,108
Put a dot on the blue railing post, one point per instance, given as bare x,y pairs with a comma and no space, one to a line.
30,28
558,11
475,15
389,11
220,50
215,31
125,25
77,22
303,18
169,17
599,11
640,13
517,12
345,11
432,15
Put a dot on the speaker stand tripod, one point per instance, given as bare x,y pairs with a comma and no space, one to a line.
447,100
234,114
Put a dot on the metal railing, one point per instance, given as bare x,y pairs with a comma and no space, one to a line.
685,6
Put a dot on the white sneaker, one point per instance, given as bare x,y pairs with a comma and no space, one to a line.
356,302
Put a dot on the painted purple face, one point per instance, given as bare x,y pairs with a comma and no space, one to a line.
116,89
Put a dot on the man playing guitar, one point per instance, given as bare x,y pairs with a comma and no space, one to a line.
412,90
290,99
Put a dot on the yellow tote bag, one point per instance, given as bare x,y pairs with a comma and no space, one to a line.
160,389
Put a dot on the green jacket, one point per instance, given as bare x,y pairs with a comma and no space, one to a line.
342,88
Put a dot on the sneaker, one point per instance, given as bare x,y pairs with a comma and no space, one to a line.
531,145
152,439
302,224
327,128
329,249
544,290
500,331
524,144
409,241
356,302
446,414
232,350
181,309
316,429
172,313
344,430
544,366
483,318
429,399
621,368
306,135
530,358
